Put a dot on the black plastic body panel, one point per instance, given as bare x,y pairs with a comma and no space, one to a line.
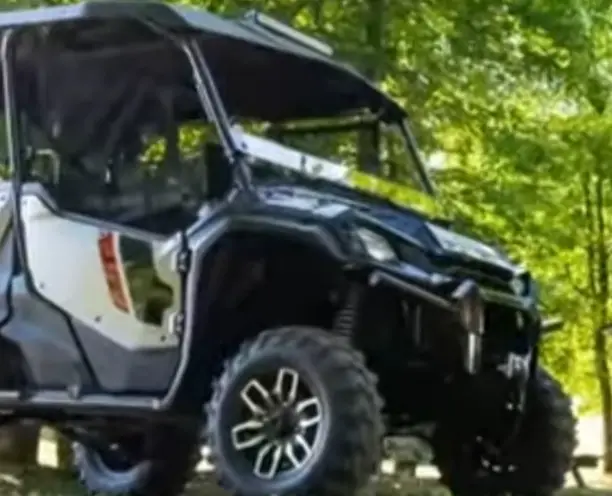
44,337
7,250
51,345
120,370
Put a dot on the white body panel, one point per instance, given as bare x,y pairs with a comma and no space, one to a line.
65,264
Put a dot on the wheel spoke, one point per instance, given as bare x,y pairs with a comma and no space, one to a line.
302,443
252,404
290,453
280,431
272,451
292,378
309,411
245,442
292,456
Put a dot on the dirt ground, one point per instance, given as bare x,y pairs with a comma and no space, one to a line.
45,481
593,477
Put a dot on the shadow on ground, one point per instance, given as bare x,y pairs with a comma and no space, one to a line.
49,482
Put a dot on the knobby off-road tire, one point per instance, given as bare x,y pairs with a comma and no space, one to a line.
175,453
342,452
538,458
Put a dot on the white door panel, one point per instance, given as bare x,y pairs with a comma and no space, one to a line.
78,267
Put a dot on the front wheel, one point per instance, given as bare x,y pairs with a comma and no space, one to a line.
295,412
533,464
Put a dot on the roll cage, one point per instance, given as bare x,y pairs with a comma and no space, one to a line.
102,38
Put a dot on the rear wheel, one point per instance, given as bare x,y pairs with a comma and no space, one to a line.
160,465
295,412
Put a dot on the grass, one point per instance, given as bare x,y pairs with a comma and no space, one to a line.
50,482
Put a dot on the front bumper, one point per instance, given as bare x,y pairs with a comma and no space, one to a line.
520,303
454,297
437,288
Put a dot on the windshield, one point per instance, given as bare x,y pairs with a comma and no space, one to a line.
350,152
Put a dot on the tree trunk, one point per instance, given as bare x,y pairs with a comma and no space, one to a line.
603,377
598,274
373,65
599,340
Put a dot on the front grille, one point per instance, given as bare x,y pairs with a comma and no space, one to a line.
484,280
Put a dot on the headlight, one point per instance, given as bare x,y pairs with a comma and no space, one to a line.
376,245
519,286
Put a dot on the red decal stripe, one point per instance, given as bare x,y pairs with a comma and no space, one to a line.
110,266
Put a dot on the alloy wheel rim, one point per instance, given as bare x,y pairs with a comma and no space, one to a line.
491,461
281,424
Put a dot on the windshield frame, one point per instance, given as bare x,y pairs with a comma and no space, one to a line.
413,149
278,131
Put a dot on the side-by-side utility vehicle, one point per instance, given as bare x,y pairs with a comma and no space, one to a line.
185,255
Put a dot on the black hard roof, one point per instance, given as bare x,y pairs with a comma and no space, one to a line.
171,17
238,32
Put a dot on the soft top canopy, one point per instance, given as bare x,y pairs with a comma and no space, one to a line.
259,75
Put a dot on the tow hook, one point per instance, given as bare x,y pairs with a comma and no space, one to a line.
516,368
515,365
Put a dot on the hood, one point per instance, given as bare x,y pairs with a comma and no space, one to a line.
449,247
324,188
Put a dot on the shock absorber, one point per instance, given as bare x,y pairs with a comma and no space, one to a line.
347,317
